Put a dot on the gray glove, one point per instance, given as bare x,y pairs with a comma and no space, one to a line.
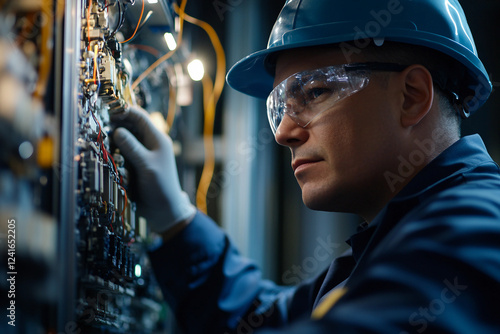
160,197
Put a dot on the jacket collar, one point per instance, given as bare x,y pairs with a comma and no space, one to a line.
464,155
447,168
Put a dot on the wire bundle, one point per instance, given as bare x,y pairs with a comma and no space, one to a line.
211,96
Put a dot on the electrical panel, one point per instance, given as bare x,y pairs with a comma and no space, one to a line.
79,258
114,289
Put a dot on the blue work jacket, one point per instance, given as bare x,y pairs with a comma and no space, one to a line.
428,263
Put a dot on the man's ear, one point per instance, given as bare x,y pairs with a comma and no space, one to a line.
418,94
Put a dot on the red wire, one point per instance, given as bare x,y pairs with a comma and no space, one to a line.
124,208
104,152
99,125
101,142
105,156
113,161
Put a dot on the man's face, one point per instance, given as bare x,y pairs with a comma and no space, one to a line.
339,159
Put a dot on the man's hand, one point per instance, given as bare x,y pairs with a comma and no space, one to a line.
160,198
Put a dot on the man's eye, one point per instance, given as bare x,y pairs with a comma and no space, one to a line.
317,92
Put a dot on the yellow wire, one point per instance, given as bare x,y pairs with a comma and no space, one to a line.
96,53
211,95
169,54
45,50
172,105
219,52
208,143
88,22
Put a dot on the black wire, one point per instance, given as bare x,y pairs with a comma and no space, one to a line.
106,6
140,29
121,20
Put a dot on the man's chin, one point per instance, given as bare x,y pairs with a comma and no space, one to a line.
317,203
327,200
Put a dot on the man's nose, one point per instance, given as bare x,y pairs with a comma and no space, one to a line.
289,133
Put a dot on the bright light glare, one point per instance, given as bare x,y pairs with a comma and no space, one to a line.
153,1
169,38
26,150
196,70
138,270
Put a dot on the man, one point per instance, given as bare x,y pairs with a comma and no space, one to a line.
372,120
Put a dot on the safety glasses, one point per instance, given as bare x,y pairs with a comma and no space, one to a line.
305,95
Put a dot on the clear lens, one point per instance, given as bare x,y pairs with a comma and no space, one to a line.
305,95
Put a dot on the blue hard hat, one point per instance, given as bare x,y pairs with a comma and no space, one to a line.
437,24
